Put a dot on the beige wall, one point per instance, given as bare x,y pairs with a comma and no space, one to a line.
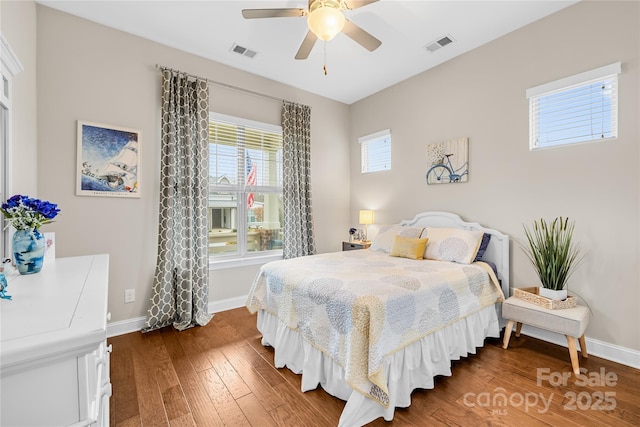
481,95
90,72
18,26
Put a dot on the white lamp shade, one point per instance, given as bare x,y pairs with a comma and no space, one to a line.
325,22
366,217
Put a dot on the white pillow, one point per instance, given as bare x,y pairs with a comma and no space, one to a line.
452,244
383,242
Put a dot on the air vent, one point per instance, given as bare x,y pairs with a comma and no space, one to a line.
441,42
241,50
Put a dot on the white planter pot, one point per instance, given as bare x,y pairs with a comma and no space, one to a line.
551,294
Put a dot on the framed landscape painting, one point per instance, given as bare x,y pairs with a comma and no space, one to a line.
108,161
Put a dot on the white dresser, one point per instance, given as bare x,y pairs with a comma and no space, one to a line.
54,360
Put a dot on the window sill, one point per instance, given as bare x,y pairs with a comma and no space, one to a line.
220,264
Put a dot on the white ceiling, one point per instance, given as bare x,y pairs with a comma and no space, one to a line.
210,29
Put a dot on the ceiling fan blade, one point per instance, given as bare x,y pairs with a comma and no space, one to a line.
306,46
272,13
360,36
354,4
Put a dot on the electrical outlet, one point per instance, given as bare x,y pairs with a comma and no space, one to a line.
129,295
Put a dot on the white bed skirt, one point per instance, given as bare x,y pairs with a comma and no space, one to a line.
413,367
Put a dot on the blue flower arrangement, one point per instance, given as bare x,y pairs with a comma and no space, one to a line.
25,213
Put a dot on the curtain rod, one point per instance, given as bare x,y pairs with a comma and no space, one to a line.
228,86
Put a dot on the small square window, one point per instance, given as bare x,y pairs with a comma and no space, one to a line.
375,151
576,109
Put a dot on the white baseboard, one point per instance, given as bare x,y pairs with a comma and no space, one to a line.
612,352
125,326
227,304
615,353
136,324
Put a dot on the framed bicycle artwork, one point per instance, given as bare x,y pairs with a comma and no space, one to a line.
448,162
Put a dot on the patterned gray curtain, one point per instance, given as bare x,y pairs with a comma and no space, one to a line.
181,283
298,219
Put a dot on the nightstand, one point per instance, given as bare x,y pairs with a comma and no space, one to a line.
570,322
353,246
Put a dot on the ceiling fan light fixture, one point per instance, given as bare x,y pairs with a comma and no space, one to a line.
325,18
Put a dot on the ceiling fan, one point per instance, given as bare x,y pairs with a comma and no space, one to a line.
325,19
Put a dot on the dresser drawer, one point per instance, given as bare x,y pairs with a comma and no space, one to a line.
352,246
43,396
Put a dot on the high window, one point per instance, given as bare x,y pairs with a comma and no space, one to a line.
245,188
575,109
375,152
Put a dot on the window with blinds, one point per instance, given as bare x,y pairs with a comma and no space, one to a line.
576,109
245,187
375,152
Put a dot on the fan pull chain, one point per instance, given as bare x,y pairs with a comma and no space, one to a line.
324,66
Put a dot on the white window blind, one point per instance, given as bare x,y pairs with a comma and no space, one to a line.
579,108
375,151
245,189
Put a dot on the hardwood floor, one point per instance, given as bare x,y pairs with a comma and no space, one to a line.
220,375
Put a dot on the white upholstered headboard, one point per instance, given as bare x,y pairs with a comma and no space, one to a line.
497,251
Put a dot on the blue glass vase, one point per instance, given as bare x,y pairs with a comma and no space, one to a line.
28,250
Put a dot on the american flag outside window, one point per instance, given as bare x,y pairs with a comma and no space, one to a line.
251,179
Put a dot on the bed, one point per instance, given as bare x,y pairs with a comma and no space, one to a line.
370,326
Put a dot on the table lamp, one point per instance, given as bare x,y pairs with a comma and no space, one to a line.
366,218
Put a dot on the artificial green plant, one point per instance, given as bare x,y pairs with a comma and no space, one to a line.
552,251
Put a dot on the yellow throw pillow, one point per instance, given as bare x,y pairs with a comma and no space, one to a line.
408,247
383,241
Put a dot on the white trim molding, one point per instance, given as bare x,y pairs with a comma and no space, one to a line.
10,66
137,323
8,58
125,326
598,73
227,304
612,352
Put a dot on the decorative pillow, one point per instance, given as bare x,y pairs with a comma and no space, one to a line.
408,247
483,247
383,242
452,244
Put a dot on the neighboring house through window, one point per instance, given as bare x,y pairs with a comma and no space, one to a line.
245,189
579,108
